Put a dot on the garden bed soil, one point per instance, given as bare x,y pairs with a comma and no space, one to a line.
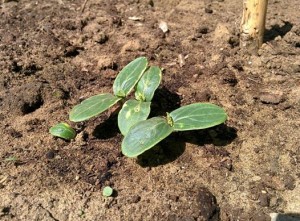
55,53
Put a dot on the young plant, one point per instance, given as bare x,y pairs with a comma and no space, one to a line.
141,134
147,133
133,110
137,110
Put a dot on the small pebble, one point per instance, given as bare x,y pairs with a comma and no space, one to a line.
50,154
163,26
271,98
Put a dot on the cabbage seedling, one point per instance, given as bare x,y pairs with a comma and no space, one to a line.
147,133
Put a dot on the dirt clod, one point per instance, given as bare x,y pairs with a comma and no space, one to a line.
208,204
101,38
289,182
24,99
271,97
264,200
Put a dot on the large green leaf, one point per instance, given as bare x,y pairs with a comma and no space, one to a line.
148,83
132,112
144,135
197,116
129,76
63,130
92,107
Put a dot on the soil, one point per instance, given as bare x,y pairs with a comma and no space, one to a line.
55,53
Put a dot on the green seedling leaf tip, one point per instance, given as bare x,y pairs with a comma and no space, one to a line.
129,76
92,107
63,130
148,83
197,116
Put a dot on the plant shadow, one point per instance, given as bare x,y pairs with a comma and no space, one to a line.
174,146
164,101
220,135
285,217
107,129
277,30
165,152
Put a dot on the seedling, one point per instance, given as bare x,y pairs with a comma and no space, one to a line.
63,130
133,110
147,133
141,134
107,191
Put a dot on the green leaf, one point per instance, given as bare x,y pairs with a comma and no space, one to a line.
63,130
145,135
197,116
148,83
129,76
92,107
107,191
132,112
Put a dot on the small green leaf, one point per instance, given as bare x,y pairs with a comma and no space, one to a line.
132,112
148,83
197,116
63,130
129,76
145,135
92,107
107,191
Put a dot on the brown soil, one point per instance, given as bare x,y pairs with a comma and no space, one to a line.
55,53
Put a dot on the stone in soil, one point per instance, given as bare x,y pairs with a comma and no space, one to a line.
208,204
271,97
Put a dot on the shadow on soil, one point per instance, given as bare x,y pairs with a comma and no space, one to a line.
286,217
174,146
220,135
164,101
277,30
165,152
107,129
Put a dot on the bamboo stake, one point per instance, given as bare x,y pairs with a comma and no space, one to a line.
253,24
